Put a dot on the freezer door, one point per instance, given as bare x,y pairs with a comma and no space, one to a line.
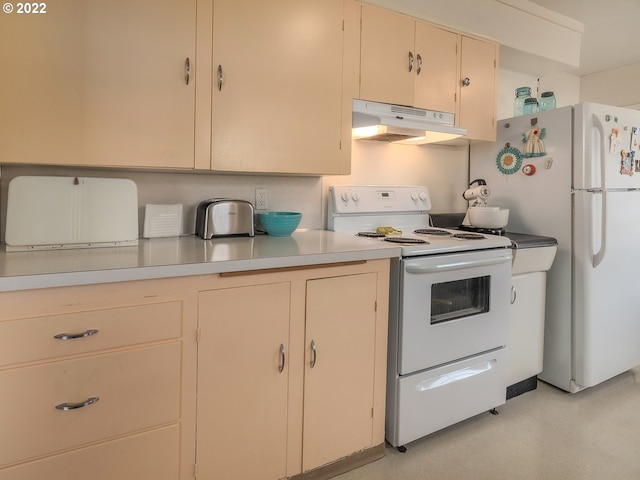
531,198
606,147
606,320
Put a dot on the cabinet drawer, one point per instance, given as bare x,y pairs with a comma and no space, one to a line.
32,339
137,389
147,456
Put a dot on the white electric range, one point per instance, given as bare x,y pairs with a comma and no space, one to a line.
449,309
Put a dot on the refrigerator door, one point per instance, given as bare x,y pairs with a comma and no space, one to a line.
606,321
606,147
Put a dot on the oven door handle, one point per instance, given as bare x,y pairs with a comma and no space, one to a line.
446,267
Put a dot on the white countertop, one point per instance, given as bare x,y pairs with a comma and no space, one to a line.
182,256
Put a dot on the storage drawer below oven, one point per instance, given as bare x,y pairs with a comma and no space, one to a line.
425,402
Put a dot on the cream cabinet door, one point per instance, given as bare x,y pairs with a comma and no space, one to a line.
478,99
340,367
278,87
387,44
437,68
91,82
242,382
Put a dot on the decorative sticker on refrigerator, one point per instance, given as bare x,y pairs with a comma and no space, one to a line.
533,145
509,160
614,145
627,165
635,141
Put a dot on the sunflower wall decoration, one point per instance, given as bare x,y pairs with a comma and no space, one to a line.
509,160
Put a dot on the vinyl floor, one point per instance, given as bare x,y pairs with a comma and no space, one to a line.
544,434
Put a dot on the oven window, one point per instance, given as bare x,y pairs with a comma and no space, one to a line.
459,299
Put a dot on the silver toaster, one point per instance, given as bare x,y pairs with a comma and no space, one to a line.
223,217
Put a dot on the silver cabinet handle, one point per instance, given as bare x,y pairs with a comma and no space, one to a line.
220,77
187,71
514,294
314,354
466,81
419,69
71,336
410,61
73,406
282,358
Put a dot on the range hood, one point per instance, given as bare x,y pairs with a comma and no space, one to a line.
396,123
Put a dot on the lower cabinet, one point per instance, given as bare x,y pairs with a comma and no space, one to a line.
242,382
259,375
291,370
339,368
146,456
98,382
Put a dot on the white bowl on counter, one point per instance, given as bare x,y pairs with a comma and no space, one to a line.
488,217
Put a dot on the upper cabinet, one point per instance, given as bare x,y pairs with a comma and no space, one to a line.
407,62
99,83
478,88
278,104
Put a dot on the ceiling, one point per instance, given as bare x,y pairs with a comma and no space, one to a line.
610,31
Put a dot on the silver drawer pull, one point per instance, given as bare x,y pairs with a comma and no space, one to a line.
71,336
187,71
73,406
282,359
314,354
220,78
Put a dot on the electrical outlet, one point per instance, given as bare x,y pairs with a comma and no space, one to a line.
262,199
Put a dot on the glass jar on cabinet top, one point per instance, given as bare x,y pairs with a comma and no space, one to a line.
530,106
522,93
547,101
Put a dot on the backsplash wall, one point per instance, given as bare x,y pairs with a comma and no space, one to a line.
301,194
441,168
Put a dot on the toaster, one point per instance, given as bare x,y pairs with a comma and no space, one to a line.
223,217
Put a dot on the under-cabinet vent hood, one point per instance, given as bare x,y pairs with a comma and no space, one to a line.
396,123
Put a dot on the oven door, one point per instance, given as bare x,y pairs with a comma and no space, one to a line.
452,306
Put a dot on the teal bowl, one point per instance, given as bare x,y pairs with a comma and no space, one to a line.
280,224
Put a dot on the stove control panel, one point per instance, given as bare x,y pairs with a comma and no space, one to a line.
354,199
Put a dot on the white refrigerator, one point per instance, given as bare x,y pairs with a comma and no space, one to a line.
574,174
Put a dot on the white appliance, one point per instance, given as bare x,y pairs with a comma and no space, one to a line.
449,309
393,123
50,212
584,190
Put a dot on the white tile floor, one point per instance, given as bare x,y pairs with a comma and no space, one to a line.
544,434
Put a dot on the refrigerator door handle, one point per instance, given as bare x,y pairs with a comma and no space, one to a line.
599,255
598,159
599,156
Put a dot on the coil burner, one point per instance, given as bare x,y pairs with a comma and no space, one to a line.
469,236
370,234
405,240
432,231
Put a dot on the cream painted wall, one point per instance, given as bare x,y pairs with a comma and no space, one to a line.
566,88
613,87
443,169
301,194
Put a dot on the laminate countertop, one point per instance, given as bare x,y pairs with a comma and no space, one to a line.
183,256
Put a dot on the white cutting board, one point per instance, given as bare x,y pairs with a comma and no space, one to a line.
70,212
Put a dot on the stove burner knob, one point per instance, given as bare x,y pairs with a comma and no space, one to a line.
423,196
414,196
355,196
344,196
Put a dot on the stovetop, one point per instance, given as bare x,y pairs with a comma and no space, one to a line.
431,241
402,210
